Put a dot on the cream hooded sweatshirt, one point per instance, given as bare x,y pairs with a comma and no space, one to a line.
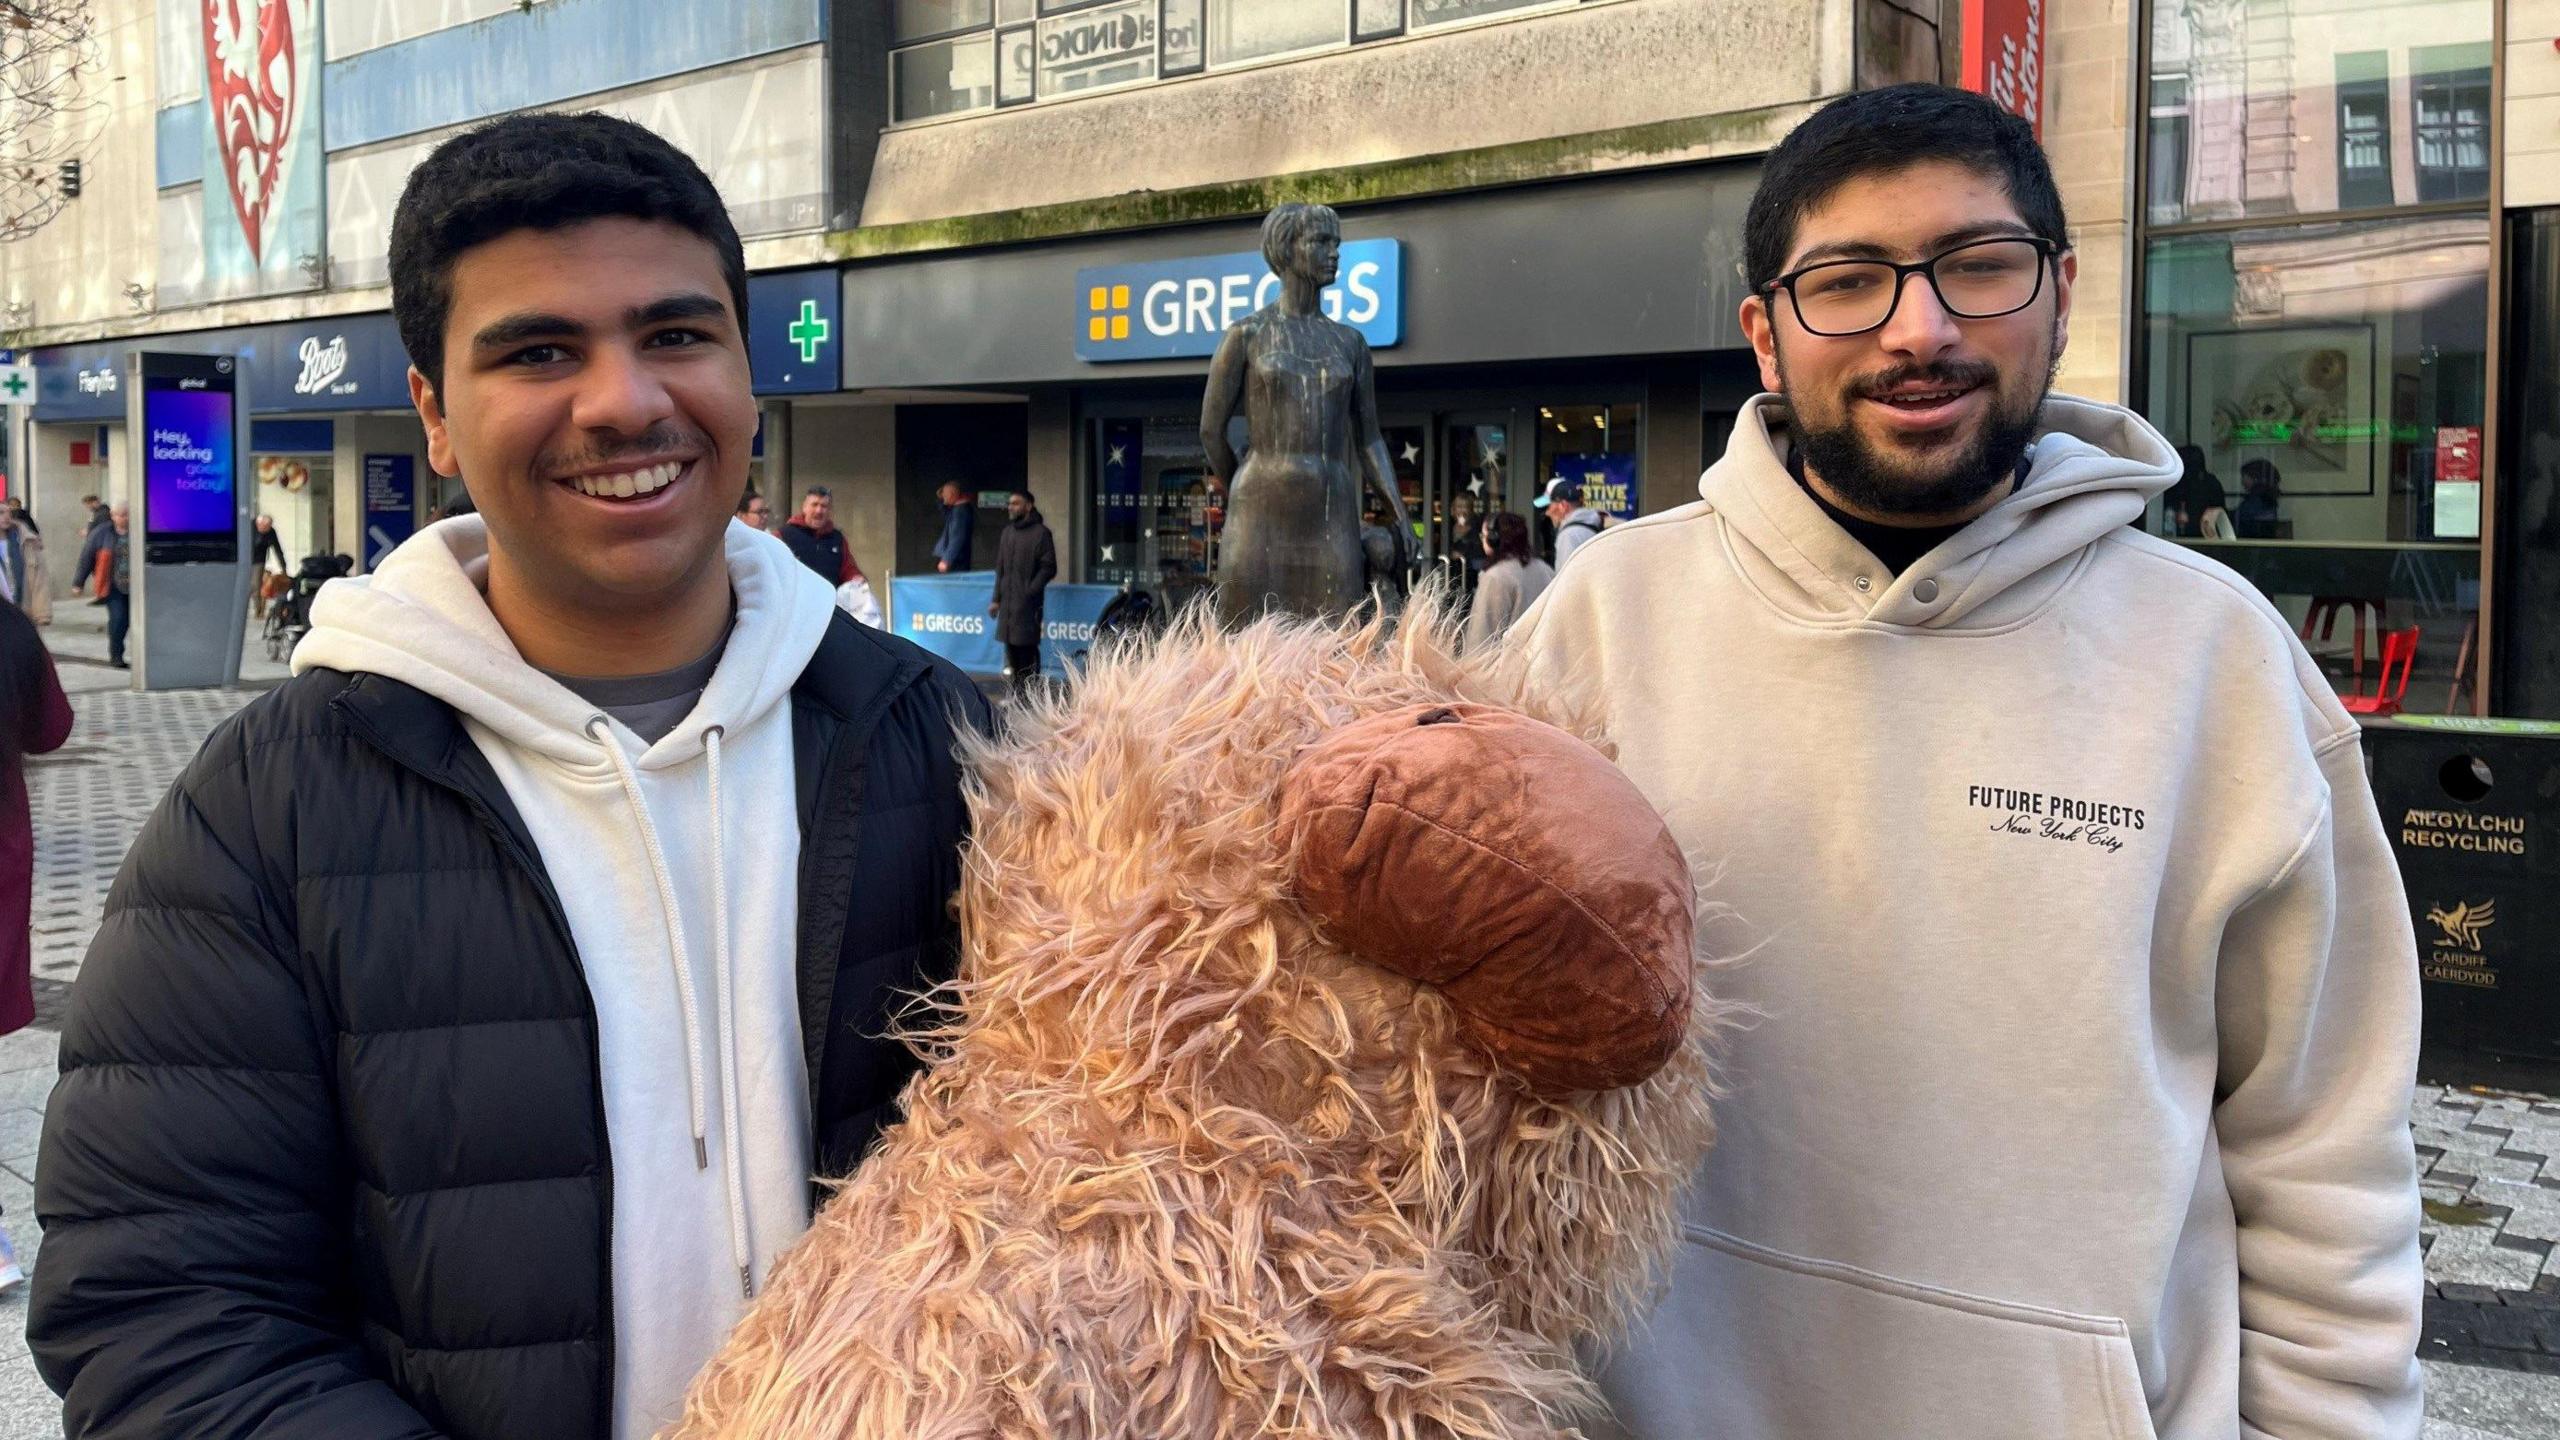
698,1032
2077,1103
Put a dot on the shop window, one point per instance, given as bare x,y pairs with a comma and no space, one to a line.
1376,19
926,19
1155,520
2266,91
2528,679
2364,137
1013,12
1241,30
1184,50
1596,447
1098,49
2452,133
2331,379
947,78
1427,13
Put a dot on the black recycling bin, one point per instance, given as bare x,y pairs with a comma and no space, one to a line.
2473,809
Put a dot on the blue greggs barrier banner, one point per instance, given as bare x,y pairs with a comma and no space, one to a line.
947,614
1169,309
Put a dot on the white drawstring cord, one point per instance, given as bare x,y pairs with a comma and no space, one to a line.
675,931
723,987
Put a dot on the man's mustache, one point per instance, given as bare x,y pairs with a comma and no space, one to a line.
1944,374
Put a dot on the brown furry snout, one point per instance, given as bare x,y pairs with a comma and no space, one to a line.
1569,958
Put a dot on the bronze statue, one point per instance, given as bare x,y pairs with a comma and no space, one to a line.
1292,537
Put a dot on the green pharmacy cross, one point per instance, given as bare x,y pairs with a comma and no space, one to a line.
808,332
14,385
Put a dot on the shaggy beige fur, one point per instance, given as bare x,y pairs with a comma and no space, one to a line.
1178,1167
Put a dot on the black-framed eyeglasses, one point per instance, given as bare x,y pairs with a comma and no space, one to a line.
1979,280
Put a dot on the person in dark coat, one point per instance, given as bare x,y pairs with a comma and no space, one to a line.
35,719
1026,561
446,1065
2190,505
959,538
816,542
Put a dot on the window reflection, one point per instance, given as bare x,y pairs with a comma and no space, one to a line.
2277,107
2327,383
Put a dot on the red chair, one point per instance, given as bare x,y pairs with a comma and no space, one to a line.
2399,647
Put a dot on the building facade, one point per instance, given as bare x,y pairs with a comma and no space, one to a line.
935,191
2334,222
995,242
240,198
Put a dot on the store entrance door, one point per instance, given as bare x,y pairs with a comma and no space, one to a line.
1472,471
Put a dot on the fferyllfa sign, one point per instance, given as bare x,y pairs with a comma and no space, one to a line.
1169,309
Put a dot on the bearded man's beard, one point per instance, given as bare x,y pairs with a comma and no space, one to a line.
1946,482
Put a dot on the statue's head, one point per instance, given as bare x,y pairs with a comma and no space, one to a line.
1303,240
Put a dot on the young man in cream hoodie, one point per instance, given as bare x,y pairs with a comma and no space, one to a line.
464,1034
2076,1100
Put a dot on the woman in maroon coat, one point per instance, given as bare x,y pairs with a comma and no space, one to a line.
34,718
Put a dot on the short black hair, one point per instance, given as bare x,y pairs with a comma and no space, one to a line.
1894,128
818,490
539,172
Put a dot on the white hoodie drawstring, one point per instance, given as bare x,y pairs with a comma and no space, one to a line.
733,1142
600,729
723,986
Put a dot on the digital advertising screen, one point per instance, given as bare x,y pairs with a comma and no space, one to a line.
188,475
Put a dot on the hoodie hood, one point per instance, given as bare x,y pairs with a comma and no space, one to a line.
423,620
2094,469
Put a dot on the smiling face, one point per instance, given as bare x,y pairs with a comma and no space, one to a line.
596,400
1924,417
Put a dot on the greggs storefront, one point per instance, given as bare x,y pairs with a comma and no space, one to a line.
1515,338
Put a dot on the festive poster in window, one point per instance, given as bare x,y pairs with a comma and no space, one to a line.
264,224
2300,396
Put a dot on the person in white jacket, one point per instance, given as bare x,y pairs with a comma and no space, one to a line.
2075,1103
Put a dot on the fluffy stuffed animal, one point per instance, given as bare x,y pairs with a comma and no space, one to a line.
1324,1062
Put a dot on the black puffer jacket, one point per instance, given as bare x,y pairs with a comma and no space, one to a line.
328,1156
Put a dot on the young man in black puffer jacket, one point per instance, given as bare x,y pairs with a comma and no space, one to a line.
464,1031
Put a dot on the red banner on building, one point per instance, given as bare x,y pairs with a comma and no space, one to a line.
2004,55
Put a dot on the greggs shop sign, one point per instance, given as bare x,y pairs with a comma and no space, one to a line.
1170,309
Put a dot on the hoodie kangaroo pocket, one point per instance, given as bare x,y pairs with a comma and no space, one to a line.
1756,1344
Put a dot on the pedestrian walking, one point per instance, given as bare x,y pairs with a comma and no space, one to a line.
954,548
35,592
113,580
1026,561
1574,523
446,1062
267,563
1513,580
35,718
2077,1103
101,526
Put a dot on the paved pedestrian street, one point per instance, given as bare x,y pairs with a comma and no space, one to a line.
2491,1160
